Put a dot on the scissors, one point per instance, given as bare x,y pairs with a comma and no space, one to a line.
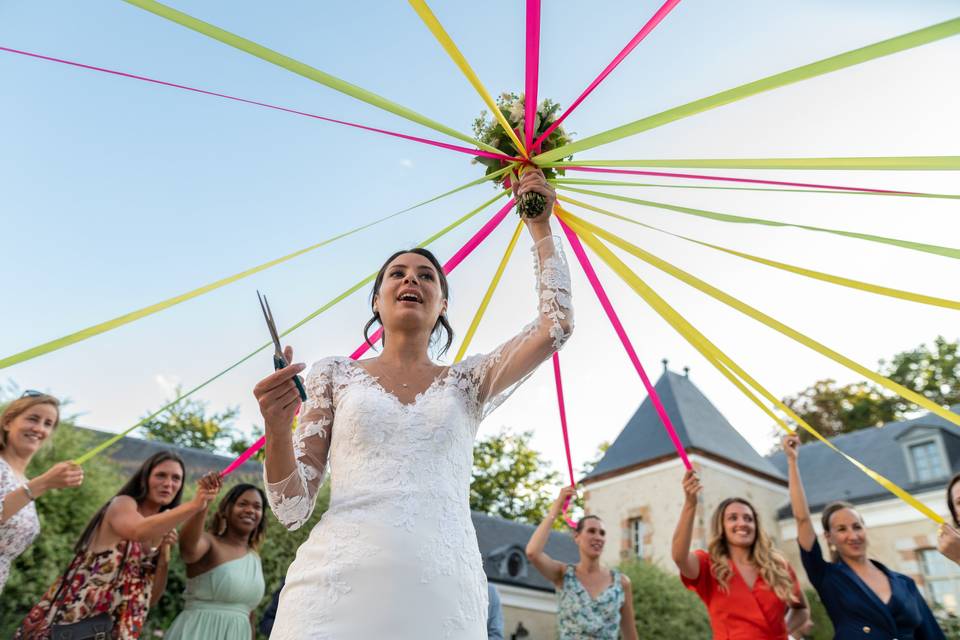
279,362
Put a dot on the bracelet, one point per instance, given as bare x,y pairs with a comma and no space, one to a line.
26,490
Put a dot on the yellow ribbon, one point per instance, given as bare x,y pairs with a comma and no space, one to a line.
725,364
809,273
453,51
874,163
489,294
758,315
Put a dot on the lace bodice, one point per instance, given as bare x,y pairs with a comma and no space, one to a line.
20,529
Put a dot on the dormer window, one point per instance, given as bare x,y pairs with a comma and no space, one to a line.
925,453
927,461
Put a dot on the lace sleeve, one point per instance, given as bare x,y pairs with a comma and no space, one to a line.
498,373
292,499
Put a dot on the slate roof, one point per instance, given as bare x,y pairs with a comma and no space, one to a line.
502,542
500,539
699,425
827,476
130,453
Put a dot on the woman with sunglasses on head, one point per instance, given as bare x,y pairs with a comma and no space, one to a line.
119,569
224,577
750,590
595,603
863,598
396,555
25,425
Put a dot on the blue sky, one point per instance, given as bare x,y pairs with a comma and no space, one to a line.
117,193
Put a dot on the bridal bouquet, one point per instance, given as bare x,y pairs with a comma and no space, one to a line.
489,131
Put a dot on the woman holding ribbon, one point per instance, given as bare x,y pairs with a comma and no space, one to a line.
396,555
224,577
119,569
595,603
25,425
750,590
863,598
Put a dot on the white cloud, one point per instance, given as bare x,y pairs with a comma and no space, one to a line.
167,382
406,163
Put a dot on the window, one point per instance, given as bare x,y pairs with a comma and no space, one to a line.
637,531
942,578
927,461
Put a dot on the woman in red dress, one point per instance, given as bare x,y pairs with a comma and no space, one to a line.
750,590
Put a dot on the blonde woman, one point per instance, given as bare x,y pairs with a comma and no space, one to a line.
749,588
25,425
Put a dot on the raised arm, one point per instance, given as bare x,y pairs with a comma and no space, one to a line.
687,562
806,534
512,361
551,569
194,542
295,462
126,522
15,495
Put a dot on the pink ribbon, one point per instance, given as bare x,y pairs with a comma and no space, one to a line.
449,266
533,72
566,438
697,176
622,334
435,143
643,33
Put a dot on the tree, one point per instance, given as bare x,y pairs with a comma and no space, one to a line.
932,371
186,424
663,607
591,464
510,477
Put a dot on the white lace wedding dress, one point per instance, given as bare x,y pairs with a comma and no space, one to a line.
396,555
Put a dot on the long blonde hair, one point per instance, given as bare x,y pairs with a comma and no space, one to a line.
770,562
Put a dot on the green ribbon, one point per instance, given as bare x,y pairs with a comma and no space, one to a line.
300,68
948,252
359,285
888,163
812,70
119,321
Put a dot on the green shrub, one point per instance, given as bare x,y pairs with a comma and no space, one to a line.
822,627
663,607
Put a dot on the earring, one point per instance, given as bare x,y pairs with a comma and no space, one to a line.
222,529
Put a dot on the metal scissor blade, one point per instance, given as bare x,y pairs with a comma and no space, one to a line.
271,326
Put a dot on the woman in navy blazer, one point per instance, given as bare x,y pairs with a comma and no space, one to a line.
863,598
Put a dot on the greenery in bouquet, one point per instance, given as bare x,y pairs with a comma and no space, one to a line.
489,131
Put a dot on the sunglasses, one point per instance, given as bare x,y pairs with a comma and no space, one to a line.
33,393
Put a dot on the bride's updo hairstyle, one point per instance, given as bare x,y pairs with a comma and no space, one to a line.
442,324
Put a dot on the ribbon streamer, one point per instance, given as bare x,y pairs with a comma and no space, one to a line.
451,264
532,77
300,68
812,70
468,337
695,176
622,334
948,252
435,143
718,359
809,273
353,289
558,382
429,19
119,321
877,163
625,183
651,24
763,318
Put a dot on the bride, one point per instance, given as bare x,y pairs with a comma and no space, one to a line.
396,555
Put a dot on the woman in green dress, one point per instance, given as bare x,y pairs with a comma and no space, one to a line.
224,578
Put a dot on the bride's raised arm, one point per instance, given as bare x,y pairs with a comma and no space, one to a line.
498,372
